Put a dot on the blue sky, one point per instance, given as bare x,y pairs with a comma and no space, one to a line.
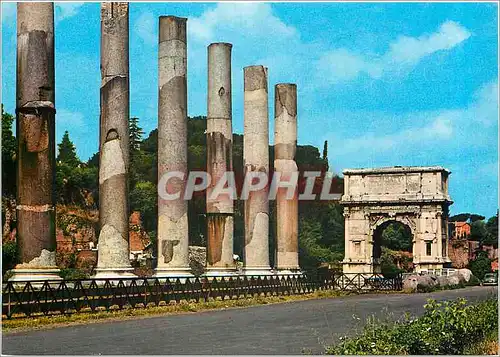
385,83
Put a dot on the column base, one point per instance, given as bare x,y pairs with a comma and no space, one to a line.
256,271
174,273
35,275
222,273
114,273
287,272
121,274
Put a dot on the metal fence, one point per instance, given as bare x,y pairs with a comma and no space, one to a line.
25,299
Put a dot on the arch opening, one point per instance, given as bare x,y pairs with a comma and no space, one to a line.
392,248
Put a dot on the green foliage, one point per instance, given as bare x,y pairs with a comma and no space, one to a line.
492,231
9,255
478,231
143,198
466,217
311,252
9,150
72,183
448,327
325,153
481,265
67,152
322,231
476,217
397,236
73,273
387,264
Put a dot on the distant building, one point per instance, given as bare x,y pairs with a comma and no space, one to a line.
459,230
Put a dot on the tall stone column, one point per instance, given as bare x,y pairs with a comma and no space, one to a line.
285,146
219,161
113,258
173,235
256,159
35,113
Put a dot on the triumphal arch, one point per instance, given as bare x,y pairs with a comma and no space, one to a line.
416,197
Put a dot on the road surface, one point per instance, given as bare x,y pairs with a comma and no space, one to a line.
289,328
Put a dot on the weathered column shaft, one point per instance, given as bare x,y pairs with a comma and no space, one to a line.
35,112
285,146
219,161
173,236
113,254
256,159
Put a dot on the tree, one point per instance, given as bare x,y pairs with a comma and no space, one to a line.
9,149
478,232
67,152
397,236
136,156
325,153
481,265
144,198
492,231
476,217
135,134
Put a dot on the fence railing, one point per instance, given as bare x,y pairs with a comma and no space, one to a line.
25,299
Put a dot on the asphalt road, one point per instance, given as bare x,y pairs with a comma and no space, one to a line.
290,328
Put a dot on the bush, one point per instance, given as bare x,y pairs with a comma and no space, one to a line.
72,273
449,327
481,265
9,255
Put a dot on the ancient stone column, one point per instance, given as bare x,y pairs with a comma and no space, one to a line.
113,253
219,161
285,145
256,159
35,112
173,236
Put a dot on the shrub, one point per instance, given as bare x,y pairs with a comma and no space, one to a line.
448,327
9,255
72,273
481,265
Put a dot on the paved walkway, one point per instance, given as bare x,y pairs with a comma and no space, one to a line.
290,328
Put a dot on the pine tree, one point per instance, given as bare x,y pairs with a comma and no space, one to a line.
135,154
135,134
325,154
67,152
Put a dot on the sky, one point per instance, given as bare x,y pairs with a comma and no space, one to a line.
384,83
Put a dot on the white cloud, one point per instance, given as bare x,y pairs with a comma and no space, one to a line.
441,136
411,50
224,20
66,10
146,28
485,107
438,128
403,54
8,12
254,18
63,10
